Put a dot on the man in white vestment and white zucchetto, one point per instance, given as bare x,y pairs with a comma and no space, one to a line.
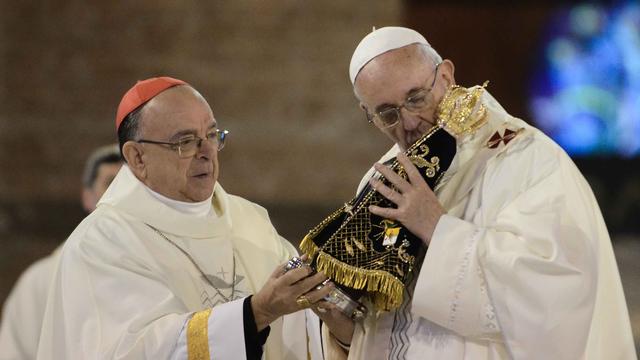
169,265
518,263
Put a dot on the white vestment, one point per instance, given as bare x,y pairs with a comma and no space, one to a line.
521,266
23,311
138,279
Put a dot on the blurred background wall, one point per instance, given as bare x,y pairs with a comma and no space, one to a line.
276,75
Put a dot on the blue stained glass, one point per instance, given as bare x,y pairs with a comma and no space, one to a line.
585,92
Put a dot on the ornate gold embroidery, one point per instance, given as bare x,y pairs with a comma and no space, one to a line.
198,336
359,244
380,270
349,247
348,209
387,287
385,225
461,111
403,255
419,159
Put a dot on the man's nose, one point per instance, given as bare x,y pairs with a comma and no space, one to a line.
410,121
206,149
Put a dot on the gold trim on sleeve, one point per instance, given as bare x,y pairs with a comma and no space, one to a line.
198,336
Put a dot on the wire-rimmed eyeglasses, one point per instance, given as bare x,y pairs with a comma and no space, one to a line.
188,146
416,102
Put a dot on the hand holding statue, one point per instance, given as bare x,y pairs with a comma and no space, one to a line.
286,292
418,208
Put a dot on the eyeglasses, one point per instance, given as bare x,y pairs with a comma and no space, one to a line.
415,103
188,146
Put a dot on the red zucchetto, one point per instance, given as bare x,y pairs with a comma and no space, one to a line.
141,92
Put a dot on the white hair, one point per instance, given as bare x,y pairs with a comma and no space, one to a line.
431,53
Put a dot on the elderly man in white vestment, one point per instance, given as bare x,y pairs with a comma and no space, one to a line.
518,260
24,308
166,266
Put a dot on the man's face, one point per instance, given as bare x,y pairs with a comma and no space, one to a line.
104,176
390,79
175,114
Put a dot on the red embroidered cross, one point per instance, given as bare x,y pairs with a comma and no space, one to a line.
496,139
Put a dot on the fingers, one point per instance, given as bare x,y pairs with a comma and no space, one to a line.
294,275
317,295
411,170
279,270
303,286
387,213
325,305
394,178
322,308
386,191
309,299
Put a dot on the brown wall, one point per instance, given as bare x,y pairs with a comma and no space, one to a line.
275,73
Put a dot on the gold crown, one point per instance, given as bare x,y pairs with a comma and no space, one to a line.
461,112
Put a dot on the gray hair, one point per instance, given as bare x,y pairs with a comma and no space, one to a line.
108,154
129,128
431,53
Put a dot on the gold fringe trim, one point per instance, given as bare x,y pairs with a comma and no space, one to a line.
386,290
308,246
198,336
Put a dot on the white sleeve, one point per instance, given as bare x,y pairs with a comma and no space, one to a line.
107,303
216,333
521,269
395,149
23,311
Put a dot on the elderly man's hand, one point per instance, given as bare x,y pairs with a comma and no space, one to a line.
340,326
278,296
418,208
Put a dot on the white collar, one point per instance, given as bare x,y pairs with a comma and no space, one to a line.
129,195
200,209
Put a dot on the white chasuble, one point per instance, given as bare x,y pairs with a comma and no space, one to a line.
138,279
23,310
520,267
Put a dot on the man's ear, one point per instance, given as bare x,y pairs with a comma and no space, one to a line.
88,200
447,70
133,154
366,111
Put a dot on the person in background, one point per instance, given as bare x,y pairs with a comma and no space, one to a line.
24,307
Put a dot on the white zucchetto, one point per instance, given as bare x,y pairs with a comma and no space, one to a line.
378,42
